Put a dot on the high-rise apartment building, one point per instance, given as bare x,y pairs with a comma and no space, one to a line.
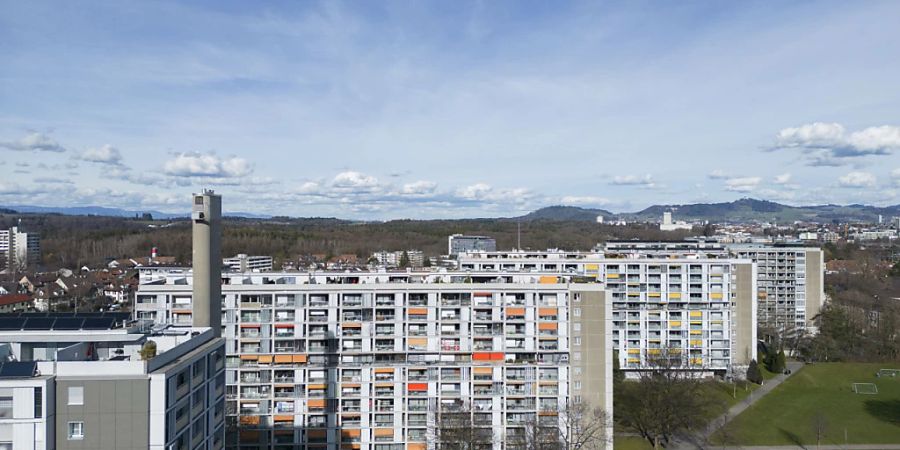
460,243
18,249
91,381
701,312
373,360
790,278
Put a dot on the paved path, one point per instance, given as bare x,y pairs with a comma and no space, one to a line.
734,411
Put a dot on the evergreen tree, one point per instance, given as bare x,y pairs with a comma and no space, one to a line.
404,260
780,362
618,375
753,373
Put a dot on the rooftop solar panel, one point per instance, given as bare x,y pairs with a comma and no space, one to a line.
38,323
68,323
98,323
18,369
11,323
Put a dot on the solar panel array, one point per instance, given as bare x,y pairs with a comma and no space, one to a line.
18,369
62,321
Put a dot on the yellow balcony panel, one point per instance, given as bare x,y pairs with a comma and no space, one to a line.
715,295
696,313
612,276
674,323
674,294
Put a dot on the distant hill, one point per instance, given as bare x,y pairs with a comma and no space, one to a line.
743,210
567,213
110,212
752,210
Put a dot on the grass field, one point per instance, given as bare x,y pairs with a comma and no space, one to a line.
785,416
630,443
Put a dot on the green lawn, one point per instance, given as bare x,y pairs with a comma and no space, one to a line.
630,443
785,416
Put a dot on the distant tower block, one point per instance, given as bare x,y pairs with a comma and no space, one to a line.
206,217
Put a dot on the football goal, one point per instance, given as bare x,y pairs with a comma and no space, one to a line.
887,373
865,388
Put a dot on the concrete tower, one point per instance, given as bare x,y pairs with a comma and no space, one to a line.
206,216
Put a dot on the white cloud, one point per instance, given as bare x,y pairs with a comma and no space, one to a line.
419,188
633,180
858,180
34,142
717,174
742,184
207,165
576,200
895,174
828,144
784,178
355,181
105,155
477,191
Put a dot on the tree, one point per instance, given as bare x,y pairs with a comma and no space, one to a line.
666,401
404,260
819,426
780,362
575,426
618,375
753,373
455,429
148,351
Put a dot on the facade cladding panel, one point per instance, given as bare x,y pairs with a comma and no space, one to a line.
115,413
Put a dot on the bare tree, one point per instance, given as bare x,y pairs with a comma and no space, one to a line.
574,426
819,426
666,402
455,429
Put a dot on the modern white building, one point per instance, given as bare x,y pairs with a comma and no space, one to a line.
668,225
460,243
246,263
372,360
90,381
393,259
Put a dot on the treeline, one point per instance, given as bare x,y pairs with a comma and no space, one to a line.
862,321
75,241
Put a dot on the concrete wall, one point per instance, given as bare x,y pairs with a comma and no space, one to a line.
115,414
815,288
595,350
744,318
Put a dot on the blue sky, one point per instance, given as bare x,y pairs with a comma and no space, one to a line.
379,110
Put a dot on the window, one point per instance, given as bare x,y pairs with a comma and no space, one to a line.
577,340
6,407
76,395
577,312
76,431
577,326
38,402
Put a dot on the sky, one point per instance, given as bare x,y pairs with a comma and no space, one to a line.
418,109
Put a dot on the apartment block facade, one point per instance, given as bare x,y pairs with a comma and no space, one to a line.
90,385
790,278
372,360
700,312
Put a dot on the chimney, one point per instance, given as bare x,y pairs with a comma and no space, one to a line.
206,216
154,253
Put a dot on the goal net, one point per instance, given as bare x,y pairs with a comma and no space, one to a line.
888,373
865,388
